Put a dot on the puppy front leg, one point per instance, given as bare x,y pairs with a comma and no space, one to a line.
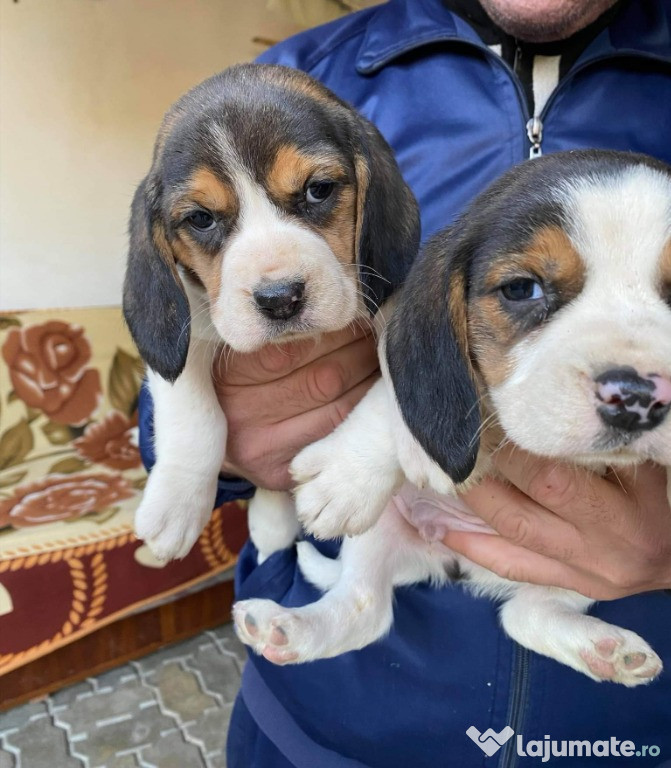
346,479
190,439
552,622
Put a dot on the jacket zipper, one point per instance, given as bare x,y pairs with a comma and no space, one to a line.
535,136
517,706
534,125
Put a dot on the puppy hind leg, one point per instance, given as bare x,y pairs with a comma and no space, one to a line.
357,611
344,619
272,522
552,622
322,572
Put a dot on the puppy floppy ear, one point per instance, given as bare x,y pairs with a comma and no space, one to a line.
387,229
154,302
428,357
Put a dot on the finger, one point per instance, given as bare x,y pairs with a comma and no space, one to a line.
643,481
576,495
522,521
274,361
315,385
326,380
312,425
270,450
518,564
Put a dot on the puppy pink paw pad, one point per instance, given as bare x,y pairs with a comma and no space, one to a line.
606,648
251,625
598,667
625,659
278,636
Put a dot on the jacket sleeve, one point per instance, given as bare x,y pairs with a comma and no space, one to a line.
228,489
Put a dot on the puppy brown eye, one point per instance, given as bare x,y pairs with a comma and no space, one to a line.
201,220
318,191
523,289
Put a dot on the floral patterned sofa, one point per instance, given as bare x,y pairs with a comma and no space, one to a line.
70,480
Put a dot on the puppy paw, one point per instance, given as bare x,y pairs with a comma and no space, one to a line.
173,512
622,657
272,631
337,492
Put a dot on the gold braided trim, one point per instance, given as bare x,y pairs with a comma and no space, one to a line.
80,621
10,662
99,591
57,555
79,615
212,543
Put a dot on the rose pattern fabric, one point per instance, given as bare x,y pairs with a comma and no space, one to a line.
62,497
55,477
47,367
110,442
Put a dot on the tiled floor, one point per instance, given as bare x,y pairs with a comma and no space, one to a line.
166,710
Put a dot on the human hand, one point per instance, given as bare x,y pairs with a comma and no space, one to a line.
283,397
605,537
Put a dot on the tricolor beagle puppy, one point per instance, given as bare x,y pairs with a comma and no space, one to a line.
272,212
542,318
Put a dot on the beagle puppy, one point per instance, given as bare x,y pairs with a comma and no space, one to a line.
272,212
542,318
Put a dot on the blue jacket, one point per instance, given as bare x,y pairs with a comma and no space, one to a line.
455,115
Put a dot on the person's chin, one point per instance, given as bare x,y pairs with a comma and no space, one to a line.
542,21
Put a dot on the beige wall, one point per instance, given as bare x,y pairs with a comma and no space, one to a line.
83,87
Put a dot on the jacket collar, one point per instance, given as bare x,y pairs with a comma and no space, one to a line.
643,27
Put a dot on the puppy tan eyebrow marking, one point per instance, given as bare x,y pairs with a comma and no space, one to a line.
292,167
206,189
550,256
288,175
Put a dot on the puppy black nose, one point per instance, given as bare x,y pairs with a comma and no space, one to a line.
280,300
632,402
